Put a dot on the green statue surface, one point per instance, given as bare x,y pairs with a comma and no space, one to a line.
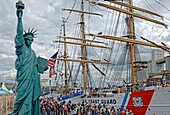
28,87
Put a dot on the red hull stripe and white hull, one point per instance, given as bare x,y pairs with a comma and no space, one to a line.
139,102
146,102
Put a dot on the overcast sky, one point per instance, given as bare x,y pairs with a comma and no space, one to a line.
46,16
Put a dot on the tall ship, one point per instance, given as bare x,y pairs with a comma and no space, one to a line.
109,58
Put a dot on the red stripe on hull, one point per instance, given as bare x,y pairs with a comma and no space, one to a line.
139,101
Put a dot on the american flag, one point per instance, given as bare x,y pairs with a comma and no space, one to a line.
51,64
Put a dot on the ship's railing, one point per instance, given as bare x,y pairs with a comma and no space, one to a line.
6,104
70,96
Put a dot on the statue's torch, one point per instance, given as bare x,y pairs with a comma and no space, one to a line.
19,4
20,7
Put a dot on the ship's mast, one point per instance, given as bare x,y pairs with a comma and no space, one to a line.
132,47
65,49
130,12
83,47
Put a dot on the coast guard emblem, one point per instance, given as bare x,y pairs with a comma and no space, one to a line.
137,101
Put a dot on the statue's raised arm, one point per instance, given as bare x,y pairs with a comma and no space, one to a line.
19,39
19,12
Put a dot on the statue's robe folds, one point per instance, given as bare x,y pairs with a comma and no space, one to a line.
28,88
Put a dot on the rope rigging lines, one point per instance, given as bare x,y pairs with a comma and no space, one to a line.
114,25
163,6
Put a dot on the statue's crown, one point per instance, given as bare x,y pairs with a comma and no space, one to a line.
31,32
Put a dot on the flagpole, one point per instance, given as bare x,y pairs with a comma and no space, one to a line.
50,85
51,64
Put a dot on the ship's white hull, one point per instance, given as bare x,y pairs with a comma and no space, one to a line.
141,103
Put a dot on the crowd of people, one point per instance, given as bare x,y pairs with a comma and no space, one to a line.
69,108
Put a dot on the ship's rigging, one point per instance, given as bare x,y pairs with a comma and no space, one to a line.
114,67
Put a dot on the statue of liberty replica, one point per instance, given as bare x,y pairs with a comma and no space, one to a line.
28,81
